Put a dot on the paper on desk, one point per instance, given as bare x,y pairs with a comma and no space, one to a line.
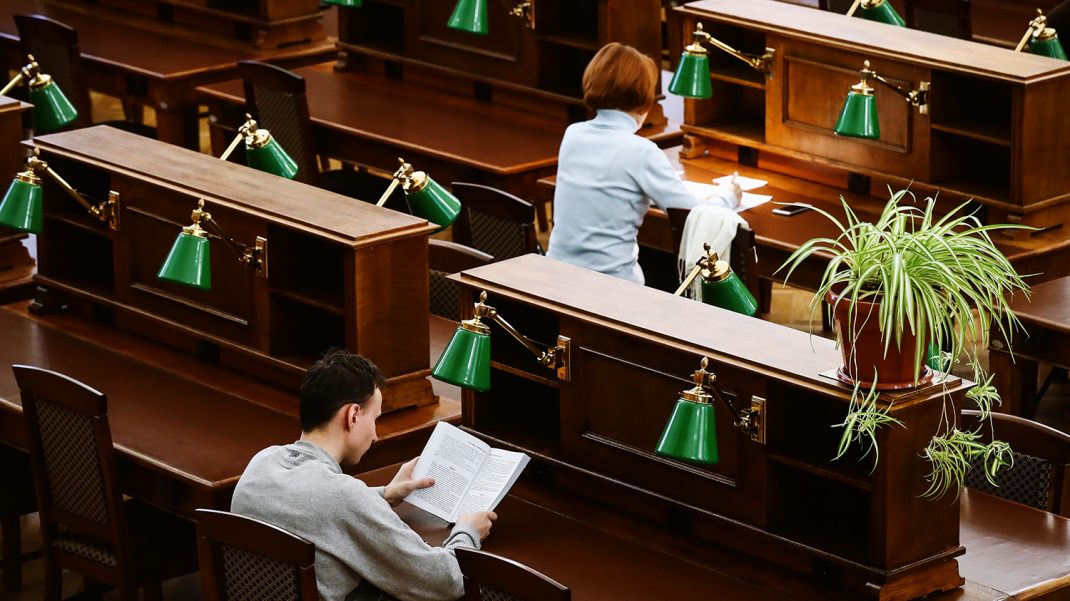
749,201
746,183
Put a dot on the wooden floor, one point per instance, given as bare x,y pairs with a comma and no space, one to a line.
790,308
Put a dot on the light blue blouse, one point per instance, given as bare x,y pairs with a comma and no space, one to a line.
606,178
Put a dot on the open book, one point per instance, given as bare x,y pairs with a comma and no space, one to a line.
469,475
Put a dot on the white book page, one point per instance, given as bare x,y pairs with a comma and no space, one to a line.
499,471
452,457
745,183
749,200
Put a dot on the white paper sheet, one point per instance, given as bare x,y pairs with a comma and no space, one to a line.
746,183
749,201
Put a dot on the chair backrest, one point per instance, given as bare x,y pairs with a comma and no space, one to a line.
744,257
1041,461
495,222
836,6
444,259
55,46
489,577
276,98
244,559
945,17
74,467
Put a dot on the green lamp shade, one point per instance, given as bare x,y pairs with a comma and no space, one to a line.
347,3
435,204
470,16
271,158
21,207
691,434
731,294
189,262
858,118
1048,47
51,109
692,77
885,13
466,361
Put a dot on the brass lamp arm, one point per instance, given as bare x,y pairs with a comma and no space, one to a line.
11,84
246,254
243,131
914,97
104,211
1036,28
549,358
702,263
749,421
761,63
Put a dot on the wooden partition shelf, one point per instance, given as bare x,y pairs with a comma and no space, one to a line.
534,62
338,272
992,130
16,265
863,529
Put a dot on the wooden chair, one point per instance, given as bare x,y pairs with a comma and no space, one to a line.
86,526
1040,476
16,500
489,577
55,46
243,559
445,259
945,17
277,100
495,222
743,259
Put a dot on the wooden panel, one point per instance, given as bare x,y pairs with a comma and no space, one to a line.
1042,167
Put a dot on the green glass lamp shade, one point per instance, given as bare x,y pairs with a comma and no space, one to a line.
466,360
434,203
470,16
932,357
691,434
692,77
270,157
51,109
21,206
189,262
730,293
1048,47
858,118
347,3
883,12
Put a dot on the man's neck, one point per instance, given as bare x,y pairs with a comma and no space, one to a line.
325,441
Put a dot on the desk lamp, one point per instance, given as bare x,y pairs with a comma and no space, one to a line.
858,118
880,11
21,207
1042,40
261,150
51,109
691,433
189,261
466,360
471,15
692,77
721,287
427,199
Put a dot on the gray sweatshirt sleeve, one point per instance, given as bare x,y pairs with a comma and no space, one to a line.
396,560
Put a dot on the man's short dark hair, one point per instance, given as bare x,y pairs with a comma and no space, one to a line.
336,380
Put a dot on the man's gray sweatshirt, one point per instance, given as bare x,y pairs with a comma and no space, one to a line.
300,488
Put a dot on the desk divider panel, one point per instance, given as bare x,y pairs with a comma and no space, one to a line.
340,272
865,529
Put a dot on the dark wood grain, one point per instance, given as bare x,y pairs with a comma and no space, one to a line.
16,265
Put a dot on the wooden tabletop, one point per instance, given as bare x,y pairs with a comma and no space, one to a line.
185,428
145,46
1011,549
1048,306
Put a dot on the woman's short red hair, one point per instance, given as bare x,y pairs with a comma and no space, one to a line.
620,77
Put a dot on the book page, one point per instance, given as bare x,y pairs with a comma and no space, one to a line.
499,471
452,457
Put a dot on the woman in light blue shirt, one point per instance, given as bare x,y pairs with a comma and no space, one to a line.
607,175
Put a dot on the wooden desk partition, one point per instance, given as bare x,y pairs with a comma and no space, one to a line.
633,349
16,265
993,132
340,272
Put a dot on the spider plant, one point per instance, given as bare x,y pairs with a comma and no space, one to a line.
938,278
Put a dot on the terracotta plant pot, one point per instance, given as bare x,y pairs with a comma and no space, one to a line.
863,354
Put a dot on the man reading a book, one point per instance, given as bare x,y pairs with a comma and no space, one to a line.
363,549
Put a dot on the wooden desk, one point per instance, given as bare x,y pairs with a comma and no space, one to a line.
147,61
369,119
16,265
1010,550
184,429
1046,339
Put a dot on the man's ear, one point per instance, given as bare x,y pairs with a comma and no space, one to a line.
350,415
